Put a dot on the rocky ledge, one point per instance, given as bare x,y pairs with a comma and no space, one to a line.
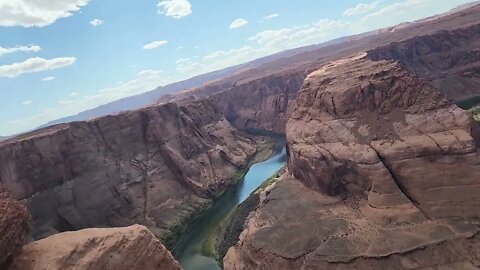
383,173
133,247
157,167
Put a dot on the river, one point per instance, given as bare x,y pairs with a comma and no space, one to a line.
188,250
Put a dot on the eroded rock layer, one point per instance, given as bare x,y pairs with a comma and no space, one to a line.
156,167
264,103
449,59
365,125
261,104
97,249
379,164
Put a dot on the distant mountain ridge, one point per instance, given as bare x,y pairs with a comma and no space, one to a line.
247,71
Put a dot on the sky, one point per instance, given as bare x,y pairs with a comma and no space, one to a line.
61,57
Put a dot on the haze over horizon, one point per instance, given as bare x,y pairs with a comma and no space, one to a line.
58,59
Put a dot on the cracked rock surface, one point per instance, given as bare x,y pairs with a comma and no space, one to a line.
383,173
133,247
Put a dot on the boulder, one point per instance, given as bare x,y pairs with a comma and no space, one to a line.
14,225
133,247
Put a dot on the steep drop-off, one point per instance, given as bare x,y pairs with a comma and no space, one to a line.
449,60
126,248
157,167
383,173
261,104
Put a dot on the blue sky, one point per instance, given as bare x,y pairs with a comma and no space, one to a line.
60,57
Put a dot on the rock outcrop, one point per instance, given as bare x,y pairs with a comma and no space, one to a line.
261,104
265,103
127,248
361,125
156,167
14,225
449,59
383,173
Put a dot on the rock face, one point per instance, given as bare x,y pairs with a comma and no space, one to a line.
449,60
361,125
265,103
155,167
295,227
14,225
97,249
383,173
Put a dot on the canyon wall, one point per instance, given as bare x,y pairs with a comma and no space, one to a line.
383,173
449,60
261,104
370,125
265,103
157,167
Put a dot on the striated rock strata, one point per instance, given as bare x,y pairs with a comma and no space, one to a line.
261,104
383,173
155,167
265,103
449,59
97,249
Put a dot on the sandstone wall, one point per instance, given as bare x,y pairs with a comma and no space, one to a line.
362,125
265,103
383,173
155,167
449,60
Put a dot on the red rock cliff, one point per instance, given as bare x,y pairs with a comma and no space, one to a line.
383,173
448,59
156,167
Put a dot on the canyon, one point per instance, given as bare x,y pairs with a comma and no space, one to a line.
383,168
379,163
158,167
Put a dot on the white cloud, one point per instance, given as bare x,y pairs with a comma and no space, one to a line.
38,13
264,43
361,8
28,102
398,7
240,22
29,48
271,16
287,38
35,64
74,103
96,22
401,11
49,78
218,60
155,44
175,8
